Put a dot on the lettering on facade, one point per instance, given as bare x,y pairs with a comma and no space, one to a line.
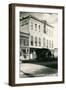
24,22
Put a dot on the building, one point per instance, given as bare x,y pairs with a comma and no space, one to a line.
35,37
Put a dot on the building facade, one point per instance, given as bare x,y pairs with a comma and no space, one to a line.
35,36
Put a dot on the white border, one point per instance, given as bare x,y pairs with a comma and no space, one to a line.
39,79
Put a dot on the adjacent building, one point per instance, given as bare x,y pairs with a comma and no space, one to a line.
35,36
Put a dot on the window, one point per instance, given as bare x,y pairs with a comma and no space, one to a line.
39,28
24,53
31,25
26,42
35,26
47,43
32,40
39,41
43,41
22,41
45,27
35,41
52,44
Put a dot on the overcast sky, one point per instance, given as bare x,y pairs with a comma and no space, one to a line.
51,18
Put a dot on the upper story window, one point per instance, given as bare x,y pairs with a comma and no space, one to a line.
24,41
47,43
35,26
35,41
43,41
39,28
32,40
39,41
31,25
52,44
45,27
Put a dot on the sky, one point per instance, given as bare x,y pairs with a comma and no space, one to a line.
49,17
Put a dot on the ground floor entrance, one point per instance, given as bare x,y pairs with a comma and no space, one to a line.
27,53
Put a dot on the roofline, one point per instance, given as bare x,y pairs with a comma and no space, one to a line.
30,16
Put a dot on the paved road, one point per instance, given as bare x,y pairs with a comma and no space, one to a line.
36,70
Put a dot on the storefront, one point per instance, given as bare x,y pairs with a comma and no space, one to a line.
24,54
24,46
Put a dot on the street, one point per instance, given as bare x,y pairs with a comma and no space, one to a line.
36,70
